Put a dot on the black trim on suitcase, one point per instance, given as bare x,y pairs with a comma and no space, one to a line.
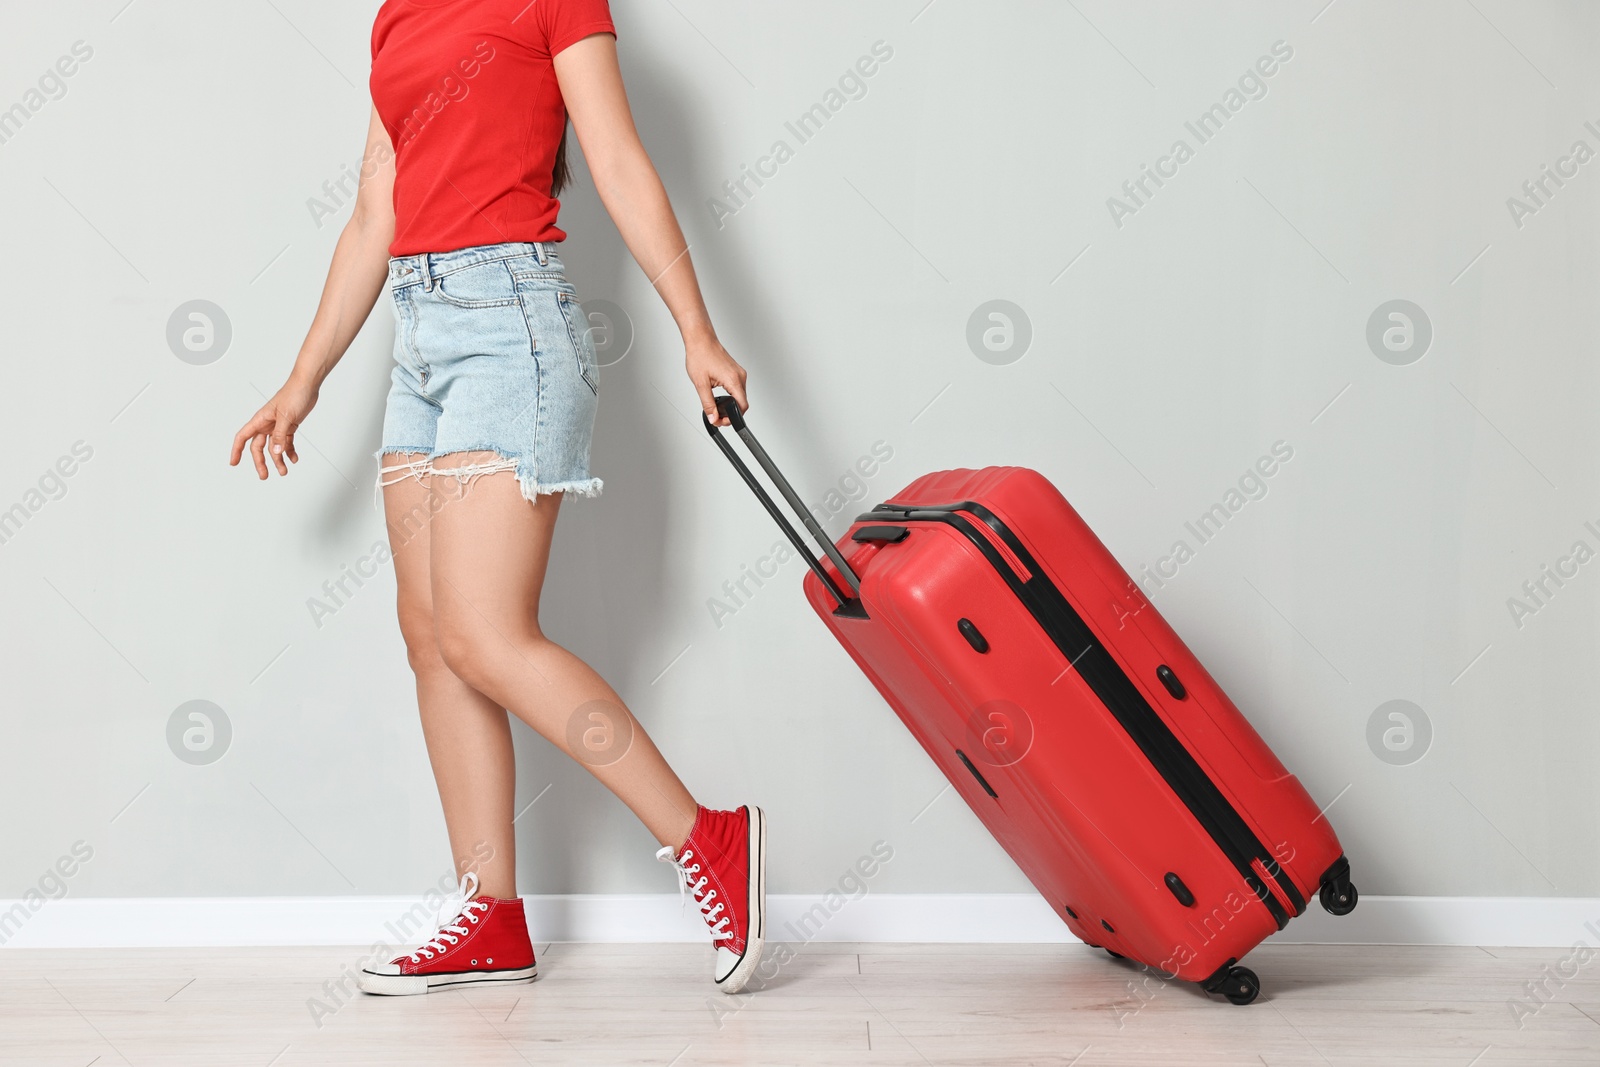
1180,892
987,788
1105,676
974,636
891,534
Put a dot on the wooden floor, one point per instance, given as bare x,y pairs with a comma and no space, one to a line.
826,1004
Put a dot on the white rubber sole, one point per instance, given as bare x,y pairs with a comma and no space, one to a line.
408,985
756,939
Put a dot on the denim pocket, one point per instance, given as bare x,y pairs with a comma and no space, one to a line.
582,337
482,285
533,276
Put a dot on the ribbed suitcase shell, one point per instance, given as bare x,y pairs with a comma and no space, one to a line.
1077,801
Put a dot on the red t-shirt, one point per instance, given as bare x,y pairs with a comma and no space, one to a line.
467,90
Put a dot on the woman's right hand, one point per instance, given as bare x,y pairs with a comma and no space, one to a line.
276,422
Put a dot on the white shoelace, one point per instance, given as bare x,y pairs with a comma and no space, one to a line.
711,909
465,909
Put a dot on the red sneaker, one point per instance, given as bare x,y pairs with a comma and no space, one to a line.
487,941
723,866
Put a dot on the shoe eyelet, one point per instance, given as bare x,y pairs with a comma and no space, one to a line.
474,963
489,961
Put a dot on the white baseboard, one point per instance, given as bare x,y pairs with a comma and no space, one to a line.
885,917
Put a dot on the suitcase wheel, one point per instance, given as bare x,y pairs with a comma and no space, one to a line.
1242,985
1335,892
1339,898
1239,984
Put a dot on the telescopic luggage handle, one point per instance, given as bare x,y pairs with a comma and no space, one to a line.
728,408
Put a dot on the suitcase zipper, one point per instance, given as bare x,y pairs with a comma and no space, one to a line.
1105,676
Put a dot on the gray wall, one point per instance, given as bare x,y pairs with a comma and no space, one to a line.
1172,345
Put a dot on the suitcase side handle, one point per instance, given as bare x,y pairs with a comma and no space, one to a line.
728,408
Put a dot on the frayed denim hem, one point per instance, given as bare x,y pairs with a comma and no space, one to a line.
399,472
522,466
589,487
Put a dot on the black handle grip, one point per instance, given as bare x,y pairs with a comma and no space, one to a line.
728,408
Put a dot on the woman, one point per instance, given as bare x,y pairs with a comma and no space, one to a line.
487,428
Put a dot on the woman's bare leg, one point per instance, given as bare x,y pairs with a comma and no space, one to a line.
488,550
468,735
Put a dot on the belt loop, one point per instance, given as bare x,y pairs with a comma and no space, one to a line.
544,258
427,272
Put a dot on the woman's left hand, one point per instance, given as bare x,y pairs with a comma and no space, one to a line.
709,365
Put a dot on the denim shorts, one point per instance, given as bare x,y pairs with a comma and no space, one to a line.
492,353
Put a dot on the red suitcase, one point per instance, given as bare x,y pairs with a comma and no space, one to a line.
1071,718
